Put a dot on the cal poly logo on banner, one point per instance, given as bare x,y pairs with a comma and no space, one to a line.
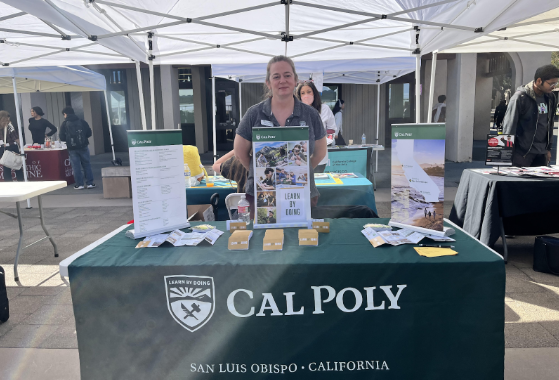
190,300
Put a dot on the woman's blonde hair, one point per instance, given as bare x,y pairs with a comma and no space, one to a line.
4,115
277,58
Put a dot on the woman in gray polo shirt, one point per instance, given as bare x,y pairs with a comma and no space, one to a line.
281,108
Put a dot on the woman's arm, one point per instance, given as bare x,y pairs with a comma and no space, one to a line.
217,165
328,119
52,128
319,153
241,149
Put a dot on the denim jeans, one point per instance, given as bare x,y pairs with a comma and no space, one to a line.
80,158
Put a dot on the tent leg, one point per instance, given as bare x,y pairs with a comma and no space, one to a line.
213,117
141,94
152,94
378,126
110,126
20,132
432,87
240,101
417,88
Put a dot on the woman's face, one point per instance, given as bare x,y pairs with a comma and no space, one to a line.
343,106
282,79
33,113
307,95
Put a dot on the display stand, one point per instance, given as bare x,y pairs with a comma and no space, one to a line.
281,177
156,169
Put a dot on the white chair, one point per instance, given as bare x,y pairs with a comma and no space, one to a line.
231,202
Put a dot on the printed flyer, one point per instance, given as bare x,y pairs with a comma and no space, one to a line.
281,177
417,173
499,150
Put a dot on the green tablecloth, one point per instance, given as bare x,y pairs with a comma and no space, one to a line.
447,323
352,192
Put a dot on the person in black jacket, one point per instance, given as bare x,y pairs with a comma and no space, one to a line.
38,126
530,117
75,132
500,112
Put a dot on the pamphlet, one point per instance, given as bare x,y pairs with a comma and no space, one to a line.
153,241
212,236
344,175
414,237
321,176
434,252
378,227
374,238
439,238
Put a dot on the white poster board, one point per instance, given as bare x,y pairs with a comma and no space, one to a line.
158,193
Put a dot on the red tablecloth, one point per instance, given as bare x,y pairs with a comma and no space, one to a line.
47,165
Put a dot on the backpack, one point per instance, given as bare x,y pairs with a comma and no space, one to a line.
76,135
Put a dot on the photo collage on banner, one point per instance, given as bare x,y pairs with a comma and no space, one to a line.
281,176
417,174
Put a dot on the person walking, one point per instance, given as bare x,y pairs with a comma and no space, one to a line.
38,126
530,118
500,112
337,111
429,215
10,137
76,133
426,212
308,94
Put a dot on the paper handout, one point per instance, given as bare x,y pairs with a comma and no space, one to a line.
435,252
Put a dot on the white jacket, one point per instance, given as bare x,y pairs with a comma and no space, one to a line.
329,123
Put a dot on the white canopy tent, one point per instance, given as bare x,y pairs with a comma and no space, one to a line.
362,71
252,31
51,79
539,33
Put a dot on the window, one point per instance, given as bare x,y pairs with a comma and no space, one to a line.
399,101
186,104
118,107
330,94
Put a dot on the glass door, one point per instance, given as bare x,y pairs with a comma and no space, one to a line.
400,105
118,111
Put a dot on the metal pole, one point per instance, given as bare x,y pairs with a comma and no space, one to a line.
378,126
141,93
213,117
432,87
417,88
151,84
20,132
240,101
110,125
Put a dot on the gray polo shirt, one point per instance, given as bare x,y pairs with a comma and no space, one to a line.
302,115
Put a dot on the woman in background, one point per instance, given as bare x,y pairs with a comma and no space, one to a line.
10,137
308,94
337,111
38,126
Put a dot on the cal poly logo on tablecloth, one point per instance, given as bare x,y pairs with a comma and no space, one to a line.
190,300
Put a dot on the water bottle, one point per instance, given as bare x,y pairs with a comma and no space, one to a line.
186,175
243,208
363,140
333,140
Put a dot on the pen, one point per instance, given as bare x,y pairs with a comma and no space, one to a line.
436,246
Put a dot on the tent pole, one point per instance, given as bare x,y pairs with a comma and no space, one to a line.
20,131
141,93
378,125
110,124
240,101
213,117
417,87
432,87
151,84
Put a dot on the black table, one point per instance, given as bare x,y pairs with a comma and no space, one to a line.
489,206
342,310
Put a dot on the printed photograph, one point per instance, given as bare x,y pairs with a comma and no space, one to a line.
418,182
297,153
266,199
272,153
265,179
506,141
291,176
266,215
